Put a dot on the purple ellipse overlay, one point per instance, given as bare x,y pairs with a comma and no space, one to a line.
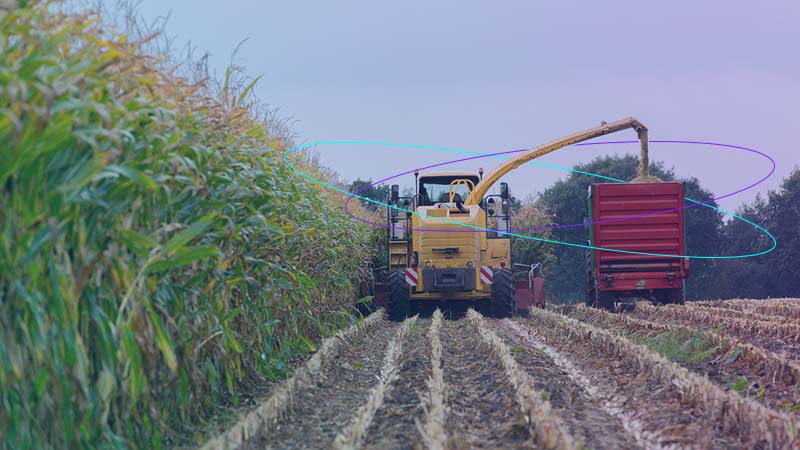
554,227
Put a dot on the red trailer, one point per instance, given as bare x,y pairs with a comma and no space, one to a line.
614,276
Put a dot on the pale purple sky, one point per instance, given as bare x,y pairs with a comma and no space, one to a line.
493,76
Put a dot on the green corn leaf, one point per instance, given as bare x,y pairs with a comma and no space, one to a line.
183,238
162,339
740,384
40,382
135,175
183,257
247,90
234,343
138,243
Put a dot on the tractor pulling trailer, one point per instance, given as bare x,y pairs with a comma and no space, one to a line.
436,255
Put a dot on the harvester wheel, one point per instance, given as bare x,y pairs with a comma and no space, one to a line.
504,301
397,303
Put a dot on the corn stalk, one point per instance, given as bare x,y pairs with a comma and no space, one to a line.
548,429
433,431
259,421
762,427
352,436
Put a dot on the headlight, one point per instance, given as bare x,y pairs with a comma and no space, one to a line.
469,263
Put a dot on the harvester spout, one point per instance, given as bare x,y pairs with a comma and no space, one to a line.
605,128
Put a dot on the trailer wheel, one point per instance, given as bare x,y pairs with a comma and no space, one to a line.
605,301
591,291
678,295
504,301
591,285
397,303
597,298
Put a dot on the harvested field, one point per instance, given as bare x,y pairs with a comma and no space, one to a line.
764,376
576,378
775,336
483,408
780,308
328,406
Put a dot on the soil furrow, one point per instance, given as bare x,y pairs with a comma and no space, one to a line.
590,415
482,408
433,429
357,431
320,412
393,426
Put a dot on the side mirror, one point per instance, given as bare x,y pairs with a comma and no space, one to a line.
395,193
504,191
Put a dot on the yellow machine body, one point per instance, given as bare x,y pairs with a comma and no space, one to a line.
467,250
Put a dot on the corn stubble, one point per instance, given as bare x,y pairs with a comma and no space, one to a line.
547,428
258,422
762,427
743,327
781,308
749,314
775,367
434,404
353,435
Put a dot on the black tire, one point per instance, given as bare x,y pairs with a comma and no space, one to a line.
605,301
678,295
591,289
397,303
504,301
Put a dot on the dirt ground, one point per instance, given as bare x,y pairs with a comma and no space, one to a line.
603,402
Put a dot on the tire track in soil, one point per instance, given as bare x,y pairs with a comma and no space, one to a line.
582,415
483,410
393,426
318,413
662,411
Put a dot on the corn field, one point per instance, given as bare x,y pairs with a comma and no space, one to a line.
156,255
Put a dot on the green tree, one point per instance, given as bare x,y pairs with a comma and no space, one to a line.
783,220
773,274
529,214
567,201
379,193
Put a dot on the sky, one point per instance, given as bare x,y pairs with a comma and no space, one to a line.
493,76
